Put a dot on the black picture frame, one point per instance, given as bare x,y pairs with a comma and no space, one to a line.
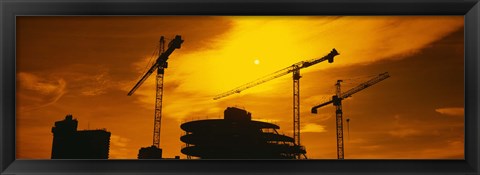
9,9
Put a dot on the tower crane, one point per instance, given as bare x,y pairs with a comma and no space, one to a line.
160,65
295,69
337,102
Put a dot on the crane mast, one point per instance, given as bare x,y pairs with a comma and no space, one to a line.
296,106
160,65
337,102
339,120
295,69
157,120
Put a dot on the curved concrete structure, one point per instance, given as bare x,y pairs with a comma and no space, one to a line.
237,137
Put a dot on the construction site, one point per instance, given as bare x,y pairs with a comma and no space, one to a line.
237,136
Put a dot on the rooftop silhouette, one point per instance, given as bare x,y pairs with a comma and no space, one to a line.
69,143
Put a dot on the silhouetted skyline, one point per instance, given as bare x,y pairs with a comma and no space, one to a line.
85,65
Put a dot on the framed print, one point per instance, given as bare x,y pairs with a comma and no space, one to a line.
205,87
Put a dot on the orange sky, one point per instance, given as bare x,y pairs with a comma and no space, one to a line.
85,66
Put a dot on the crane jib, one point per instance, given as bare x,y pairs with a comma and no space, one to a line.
364,85
354,90
140,82
161,60
285,71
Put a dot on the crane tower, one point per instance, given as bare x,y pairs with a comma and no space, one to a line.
160,65
337,102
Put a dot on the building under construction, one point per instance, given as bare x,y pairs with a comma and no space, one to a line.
237,136
68,143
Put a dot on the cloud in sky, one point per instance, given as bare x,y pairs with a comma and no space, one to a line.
100,85
118,147
281,41
404,132
38,91
311,127
452,111
42,86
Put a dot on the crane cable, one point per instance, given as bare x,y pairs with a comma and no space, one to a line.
358,79
154,54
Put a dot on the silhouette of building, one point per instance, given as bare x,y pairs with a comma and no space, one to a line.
151,152
68,143
236,136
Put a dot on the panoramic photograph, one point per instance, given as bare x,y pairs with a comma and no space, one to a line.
240,87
